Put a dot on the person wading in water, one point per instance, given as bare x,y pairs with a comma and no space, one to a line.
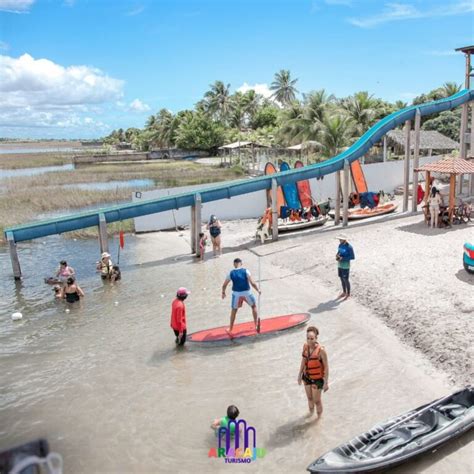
241,281
314,370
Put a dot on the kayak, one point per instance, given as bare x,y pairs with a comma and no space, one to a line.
300,225
355,214
401,438
267,326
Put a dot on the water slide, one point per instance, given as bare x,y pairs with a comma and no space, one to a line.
235,188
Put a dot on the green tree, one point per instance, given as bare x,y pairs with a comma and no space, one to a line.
362,109
265,116
336,133
448,123
284,87
451,88
197,132
218,101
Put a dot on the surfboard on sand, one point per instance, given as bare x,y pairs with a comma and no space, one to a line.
247,329
270,169
304,188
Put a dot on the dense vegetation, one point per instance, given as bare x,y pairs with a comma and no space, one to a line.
329,123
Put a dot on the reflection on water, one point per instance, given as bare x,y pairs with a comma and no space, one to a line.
104,186
14,173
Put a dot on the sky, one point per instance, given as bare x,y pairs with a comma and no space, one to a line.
81,68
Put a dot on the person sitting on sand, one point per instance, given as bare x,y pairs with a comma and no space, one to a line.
105,266
345,253
64,271
202,244
241,281
224,422
314,370
72,291
214,227
178,316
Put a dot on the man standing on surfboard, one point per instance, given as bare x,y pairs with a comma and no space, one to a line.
241,281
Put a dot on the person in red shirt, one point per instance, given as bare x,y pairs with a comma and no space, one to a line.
178,316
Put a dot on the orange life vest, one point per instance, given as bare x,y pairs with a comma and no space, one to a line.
314,368
267,217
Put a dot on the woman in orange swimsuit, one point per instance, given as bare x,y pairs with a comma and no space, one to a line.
314,370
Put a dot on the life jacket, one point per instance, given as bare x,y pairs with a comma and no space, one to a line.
267,217
314,368
239,279
225,424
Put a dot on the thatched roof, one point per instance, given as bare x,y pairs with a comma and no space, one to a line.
241,144
310,144
450,165
429,139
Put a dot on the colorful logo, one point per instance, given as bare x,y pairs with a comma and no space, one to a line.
233,451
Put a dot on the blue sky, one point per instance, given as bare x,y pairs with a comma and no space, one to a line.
80,68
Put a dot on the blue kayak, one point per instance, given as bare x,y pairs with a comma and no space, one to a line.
290,190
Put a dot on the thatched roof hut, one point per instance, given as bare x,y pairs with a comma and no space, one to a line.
429,140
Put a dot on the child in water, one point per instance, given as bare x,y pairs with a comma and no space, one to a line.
202,244
232,414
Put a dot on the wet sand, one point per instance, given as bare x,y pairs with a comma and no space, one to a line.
410,276
109,390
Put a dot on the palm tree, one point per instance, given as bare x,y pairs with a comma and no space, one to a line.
284,87
163,129
150,123
451,88
219,101
336,133
361,108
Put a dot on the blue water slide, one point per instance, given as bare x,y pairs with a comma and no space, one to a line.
235,188
290,190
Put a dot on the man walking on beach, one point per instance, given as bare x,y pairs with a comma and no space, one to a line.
345,253
241,281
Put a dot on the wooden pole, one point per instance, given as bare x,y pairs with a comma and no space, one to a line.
274,209
345,195
452,193
471,151
384,148
197,222
337,206
14,256
462,141
427,186
416,156
103,239
193,228
406,177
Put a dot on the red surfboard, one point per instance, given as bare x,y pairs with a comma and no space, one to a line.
270,169
304,188
267,326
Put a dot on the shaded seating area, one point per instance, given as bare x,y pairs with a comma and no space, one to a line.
455,167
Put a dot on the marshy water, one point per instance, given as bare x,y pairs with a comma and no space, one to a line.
111,392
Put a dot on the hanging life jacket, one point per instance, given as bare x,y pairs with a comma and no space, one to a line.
314,367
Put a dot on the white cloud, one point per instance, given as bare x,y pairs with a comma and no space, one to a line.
136,11
261,89
4,46
405,11
138,106
40,93
16,6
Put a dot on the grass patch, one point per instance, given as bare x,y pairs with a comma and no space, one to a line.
33,160
29,198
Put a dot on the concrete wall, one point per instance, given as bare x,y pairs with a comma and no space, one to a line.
114,157
239,207
176,154
380,176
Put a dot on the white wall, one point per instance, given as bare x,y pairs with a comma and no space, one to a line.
239,207
380,176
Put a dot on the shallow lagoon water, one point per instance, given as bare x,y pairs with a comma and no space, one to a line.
107,387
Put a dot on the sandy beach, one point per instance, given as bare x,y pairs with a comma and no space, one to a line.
408,275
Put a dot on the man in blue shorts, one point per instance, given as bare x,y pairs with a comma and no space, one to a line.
241,281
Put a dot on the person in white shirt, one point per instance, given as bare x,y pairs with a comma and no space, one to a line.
434,202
